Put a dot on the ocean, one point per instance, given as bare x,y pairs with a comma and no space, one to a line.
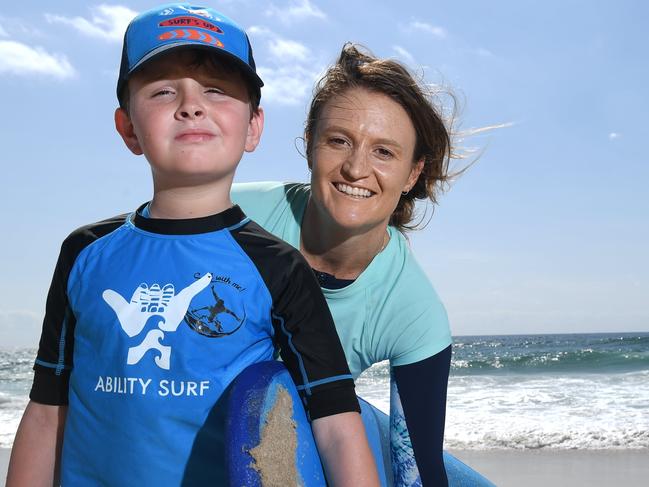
585,391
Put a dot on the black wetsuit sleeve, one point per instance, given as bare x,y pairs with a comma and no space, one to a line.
422,388
54,358
55,350
303,326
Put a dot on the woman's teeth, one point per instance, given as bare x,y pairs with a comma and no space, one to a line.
359,192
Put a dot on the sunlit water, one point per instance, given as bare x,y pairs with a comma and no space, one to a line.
587,391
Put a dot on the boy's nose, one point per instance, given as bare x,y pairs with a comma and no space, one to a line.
190,107
191,112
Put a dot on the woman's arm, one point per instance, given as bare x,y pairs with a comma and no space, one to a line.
422,389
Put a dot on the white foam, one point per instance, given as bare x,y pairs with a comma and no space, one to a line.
529,412
11,410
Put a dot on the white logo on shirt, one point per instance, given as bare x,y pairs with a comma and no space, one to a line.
146,302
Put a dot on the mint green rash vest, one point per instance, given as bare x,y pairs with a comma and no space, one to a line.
390,312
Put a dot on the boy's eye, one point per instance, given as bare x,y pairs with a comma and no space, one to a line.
215,90
163,92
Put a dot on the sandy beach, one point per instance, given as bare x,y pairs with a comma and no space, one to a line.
559,468
4,463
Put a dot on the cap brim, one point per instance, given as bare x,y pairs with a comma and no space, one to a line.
245,68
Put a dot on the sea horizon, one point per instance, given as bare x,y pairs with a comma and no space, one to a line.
508,391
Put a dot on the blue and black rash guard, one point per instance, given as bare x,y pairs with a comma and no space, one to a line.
149,320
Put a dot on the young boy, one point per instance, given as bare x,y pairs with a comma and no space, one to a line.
151,315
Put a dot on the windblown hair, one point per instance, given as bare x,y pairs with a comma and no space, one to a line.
357,68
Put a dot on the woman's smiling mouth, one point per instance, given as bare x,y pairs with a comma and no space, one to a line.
353,190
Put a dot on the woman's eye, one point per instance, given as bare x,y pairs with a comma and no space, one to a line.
218,91
337,141
385,153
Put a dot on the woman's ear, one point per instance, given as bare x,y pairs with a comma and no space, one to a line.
414,174
125,128
306,139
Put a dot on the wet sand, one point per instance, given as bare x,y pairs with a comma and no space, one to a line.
560,468
4,463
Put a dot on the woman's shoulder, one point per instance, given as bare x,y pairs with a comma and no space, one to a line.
407,298
269,190
269,201
400,266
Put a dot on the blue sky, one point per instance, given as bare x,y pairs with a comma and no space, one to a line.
546,232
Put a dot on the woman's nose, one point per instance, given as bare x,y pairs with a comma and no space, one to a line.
356,165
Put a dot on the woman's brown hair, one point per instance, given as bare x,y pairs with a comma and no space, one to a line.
357,68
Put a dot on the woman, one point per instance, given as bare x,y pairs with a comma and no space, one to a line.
374,144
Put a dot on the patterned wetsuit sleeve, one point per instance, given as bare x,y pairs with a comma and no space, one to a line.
422,389
304,328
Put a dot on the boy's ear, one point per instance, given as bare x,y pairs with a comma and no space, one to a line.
255,128
125,128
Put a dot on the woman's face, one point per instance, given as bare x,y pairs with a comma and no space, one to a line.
362,159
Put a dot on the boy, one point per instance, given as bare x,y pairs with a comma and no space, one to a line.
151,315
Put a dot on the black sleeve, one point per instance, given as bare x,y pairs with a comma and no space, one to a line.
304,328
422,388
54,358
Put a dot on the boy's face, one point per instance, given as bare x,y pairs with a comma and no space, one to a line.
192,122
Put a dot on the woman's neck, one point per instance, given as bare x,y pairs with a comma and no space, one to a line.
344,254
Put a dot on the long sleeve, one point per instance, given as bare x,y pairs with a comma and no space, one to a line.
422,389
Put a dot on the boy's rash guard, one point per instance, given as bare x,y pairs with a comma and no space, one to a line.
149,320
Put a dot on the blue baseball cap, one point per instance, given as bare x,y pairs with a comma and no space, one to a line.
176,25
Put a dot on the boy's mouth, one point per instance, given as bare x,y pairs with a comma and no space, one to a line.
194,135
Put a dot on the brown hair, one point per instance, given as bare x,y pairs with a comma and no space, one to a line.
358,68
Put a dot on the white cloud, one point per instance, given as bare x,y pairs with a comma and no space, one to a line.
434,30
287,85
108,22
613,136
21,59
404,55
280,49
290,68
285,49
296,12
258,30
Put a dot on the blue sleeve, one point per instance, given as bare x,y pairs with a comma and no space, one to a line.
422,388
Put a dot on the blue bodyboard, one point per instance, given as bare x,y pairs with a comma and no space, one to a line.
268,439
